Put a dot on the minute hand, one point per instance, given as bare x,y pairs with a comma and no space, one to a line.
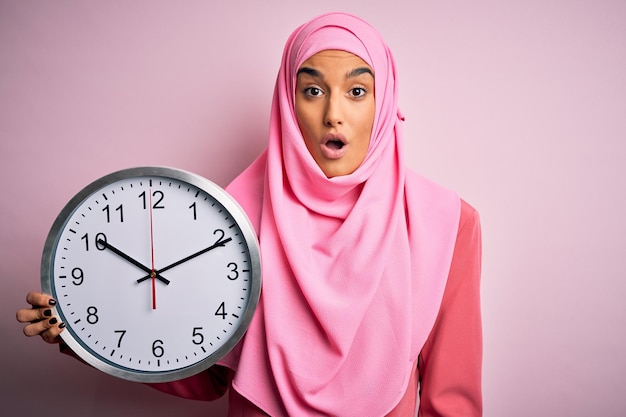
188,258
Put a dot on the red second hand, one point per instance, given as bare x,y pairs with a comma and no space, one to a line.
152,273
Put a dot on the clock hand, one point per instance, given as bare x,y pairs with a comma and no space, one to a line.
219,243
152,271
132,261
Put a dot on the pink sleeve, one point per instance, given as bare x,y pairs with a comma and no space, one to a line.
206,386
450,363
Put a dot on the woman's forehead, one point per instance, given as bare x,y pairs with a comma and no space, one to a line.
335,55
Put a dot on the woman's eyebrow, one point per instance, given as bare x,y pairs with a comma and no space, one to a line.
358,71
310,71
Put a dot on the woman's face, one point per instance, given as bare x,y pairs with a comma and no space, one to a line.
335,109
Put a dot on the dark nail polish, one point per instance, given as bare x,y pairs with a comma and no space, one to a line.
52,302
47,313
62,325
53,320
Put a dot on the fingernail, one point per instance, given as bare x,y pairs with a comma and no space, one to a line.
62,325
47,313
53,320
52,302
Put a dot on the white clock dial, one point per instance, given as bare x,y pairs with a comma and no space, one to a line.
156,273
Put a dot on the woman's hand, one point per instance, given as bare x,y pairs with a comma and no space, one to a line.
40,319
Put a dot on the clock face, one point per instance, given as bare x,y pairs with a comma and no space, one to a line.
156,273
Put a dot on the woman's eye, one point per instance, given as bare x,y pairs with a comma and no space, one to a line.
358,92
313,91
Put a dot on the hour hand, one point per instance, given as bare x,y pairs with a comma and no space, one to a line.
138,264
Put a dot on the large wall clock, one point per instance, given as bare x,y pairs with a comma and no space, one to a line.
156,273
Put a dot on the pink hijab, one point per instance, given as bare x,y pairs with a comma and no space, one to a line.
354,267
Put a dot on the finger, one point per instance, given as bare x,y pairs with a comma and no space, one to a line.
37,299
52,334
30,315
51,326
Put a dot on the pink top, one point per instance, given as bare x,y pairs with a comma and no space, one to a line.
449,370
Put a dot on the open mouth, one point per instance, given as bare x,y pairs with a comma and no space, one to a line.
335,144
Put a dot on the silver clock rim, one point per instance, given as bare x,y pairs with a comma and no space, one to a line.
236,212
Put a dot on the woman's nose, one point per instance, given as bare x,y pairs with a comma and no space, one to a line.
334,113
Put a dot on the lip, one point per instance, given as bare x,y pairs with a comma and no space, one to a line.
334,145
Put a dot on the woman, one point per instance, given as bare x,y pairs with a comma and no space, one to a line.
371,272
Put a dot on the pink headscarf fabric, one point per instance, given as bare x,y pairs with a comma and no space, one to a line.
354,267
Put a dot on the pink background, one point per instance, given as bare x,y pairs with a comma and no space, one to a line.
520,106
